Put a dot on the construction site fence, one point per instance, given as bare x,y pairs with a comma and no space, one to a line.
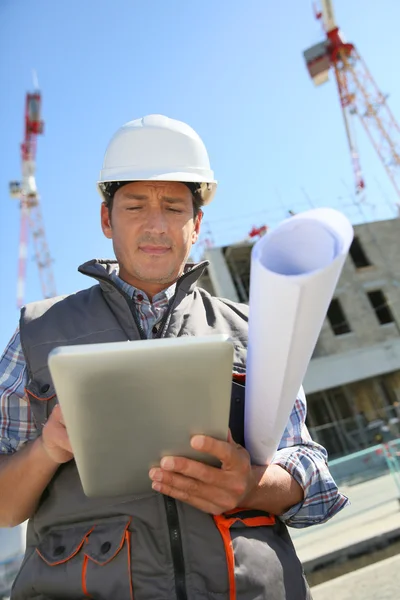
346,436
380,460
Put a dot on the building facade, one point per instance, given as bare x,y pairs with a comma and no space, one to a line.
353,380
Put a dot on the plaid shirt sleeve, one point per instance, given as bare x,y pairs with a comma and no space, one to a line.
306,461
16,423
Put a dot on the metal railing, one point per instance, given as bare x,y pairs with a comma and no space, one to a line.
353,434
379,460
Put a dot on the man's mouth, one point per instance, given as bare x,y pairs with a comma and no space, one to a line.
159,250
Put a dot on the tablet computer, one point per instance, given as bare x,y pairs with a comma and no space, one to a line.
128,404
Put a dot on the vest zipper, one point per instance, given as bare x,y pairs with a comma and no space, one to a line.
138,325
175,538
171,509
161,329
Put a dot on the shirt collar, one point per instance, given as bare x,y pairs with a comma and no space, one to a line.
138,295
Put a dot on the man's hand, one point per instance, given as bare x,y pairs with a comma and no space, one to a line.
55,439
207,488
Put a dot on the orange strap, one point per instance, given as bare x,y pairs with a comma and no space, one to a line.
249,517
223,526
128,543
224,523
258,521
84,569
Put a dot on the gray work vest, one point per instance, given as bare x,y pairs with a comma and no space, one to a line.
149,547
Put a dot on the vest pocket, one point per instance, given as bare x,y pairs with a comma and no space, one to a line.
261,560
85,561
41,404
106,571
243,518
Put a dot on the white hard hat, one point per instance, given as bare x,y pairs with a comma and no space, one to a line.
157,148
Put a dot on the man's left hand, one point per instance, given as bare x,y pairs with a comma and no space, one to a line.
207,488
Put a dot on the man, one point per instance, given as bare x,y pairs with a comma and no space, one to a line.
203,532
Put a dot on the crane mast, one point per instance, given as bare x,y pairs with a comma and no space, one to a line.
359,95
26,192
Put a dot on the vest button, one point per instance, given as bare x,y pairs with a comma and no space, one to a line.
105,547
45,388
237,400
59,550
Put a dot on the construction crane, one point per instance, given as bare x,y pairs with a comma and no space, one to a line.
359,95
26,192
258,231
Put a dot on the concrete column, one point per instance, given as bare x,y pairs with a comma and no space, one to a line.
220,275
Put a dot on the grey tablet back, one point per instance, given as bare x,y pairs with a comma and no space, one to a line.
127,404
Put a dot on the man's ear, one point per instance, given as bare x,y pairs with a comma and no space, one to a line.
106,220
197,226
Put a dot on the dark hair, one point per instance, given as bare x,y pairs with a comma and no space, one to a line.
196,198
109,190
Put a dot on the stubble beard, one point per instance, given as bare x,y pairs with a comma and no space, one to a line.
143,274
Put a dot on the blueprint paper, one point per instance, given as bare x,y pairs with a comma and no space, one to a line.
294,272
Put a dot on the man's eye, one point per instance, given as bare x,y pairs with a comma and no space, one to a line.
175,210
133,207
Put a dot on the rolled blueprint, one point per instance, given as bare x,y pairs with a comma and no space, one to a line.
294,272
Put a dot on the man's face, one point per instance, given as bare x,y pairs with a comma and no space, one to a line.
152,228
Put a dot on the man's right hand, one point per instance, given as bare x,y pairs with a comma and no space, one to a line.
55,439
25,474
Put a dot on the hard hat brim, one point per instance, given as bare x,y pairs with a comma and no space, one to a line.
207,187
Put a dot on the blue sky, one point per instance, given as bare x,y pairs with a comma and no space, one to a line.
232,69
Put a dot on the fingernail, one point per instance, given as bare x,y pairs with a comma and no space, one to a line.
156,486
167,463
155,474
197,442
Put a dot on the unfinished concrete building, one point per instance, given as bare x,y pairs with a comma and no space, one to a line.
353,380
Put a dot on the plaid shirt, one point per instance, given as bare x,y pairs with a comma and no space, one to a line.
304,459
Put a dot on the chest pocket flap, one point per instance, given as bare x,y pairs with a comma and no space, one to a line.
106,540
42,399
61,545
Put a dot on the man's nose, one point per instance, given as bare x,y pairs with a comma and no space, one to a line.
155,221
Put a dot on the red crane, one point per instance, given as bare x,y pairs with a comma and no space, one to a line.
26,192
359,95
258,231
